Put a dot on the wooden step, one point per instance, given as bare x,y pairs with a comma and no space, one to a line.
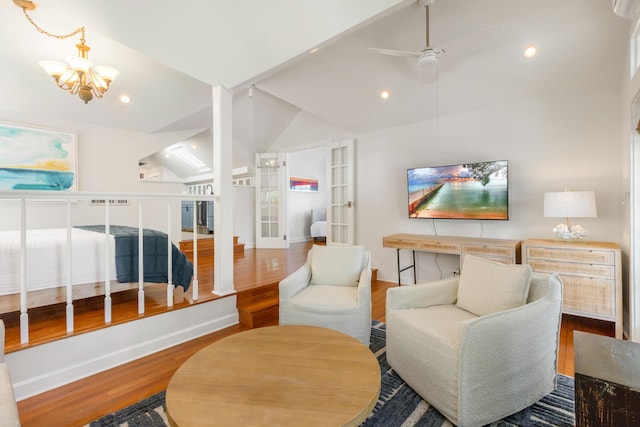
259,306
262,311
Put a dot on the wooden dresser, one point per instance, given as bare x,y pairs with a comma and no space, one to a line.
505,251
591,273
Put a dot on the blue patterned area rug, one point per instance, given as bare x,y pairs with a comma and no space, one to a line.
398,404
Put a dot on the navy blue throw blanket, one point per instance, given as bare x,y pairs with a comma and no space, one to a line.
155,256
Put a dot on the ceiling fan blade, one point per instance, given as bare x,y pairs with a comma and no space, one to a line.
395,52
480,37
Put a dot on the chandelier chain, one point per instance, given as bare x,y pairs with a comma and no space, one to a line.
57,36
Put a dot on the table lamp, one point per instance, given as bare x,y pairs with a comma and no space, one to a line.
570,204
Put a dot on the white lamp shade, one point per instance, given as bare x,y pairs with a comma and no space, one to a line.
54,68
107,73
570,204
79,64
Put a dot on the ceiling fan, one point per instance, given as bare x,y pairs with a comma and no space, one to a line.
427,58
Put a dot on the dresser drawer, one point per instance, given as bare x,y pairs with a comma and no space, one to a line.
441,247
574,268
490,258
489,251
589,256
593,297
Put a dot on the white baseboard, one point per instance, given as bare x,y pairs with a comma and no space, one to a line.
40,368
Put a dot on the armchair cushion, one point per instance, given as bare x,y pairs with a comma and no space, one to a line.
336,265
328,298
487,287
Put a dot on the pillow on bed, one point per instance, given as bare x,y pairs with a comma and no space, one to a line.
336,265
487,287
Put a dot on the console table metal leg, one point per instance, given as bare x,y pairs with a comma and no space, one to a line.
400,270
415,279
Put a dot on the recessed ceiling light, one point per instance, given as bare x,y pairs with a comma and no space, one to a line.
314,50
384,94
125,99
530,51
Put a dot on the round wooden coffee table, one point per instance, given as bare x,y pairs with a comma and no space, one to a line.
276,376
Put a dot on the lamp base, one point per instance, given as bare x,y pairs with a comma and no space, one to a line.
574,232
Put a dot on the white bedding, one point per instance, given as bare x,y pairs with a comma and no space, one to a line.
319,229
46,259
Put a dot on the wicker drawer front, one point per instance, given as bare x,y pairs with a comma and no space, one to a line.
593,256
500,260
488,251
400,243
588,270
582,295
452,248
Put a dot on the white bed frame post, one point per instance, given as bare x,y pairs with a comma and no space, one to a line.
24,316
70,325
140,260
195,251
170,286
107,249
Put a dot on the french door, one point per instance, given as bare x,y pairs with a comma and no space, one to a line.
340,177
270,201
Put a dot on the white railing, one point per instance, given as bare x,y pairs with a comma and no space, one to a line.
72,198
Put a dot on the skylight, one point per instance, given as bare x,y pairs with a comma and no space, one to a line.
181,153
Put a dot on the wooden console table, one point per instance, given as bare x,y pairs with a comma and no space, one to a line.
505,251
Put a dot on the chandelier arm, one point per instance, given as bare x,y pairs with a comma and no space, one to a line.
57,36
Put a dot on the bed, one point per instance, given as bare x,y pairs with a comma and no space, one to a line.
47,249
318,228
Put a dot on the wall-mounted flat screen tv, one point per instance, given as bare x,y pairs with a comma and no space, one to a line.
464,191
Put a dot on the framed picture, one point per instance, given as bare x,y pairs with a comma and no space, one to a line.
303,184
34,158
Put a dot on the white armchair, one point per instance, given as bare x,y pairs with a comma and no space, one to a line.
488,360
332,289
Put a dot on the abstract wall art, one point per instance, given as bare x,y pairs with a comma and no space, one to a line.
303,184
34,158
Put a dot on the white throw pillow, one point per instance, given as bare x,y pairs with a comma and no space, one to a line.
336,265
488,287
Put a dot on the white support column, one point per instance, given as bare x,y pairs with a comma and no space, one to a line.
223,207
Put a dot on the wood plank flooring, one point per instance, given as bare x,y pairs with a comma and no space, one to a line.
79,403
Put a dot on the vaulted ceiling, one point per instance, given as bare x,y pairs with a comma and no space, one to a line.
171,52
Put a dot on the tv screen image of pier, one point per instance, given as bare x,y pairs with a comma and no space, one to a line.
464,191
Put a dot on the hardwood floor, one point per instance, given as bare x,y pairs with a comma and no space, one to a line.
79,403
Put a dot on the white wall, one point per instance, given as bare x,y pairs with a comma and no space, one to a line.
309,163
244,213
566,140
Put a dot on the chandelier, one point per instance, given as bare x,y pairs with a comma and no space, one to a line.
79,76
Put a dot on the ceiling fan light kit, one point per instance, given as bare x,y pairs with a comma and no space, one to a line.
80,77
